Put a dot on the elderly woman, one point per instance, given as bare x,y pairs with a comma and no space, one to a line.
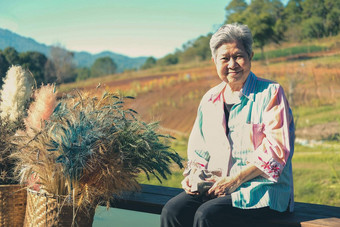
240,147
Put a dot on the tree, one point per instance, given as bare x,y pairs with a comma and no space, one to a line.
149,63
195,50
313,14
289,25
235,11
201,47
11,55
35,62
103,66
83,73
60,67
49,72
236,6
313,27
262,28
170,59
293,12
261,16
4,65
332,22
188,55
313,8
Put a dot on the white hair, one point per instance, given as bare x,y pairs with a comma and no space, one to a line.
229,33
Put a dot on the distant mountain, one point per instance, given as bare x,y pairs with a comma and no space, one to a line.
123,62
82,59
20,43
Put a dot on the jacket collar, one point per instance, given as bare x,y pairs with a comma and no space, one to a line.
247,90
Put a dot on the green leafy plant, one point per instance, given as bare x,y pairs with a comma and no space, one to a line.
93,148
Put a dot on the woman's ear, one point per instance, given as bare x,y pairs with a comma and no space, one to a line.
213,59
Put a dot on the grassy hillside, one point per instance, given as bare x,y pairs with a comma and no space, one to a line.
312,87
311,81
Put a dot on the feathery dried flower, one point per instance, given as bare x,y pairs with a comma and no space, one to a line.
42,107
16,92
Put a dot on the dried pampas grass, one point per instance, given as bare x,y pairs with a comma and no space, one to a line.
42,108
15,95
16,92
93,147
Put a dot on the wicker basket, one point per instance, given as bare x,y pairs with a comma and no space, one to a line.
12,205
45,210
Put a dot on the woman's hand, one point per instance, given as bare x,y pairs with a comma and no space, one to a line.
227,185
223,186
186,185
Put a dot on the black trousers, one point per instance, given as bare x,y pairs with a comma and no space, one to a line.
186,210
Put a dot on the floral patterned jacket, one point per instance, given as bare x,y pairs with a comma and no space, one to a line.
261,132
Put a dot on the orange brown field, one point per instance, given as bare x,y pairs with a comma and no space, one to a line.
173,97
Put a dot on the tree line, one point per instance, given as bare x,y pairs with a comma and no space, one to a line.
59,67
270,22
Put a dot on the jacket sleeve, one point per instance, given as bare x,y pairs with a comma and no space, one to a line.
273,138
198,156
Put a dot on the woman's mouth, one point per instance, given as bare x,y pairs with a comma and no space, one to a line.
233,72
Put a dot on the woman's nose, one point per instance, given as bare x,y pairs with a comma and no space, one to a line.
232,63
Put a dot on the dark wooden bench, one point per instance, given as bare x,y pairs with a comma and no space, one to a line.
151,199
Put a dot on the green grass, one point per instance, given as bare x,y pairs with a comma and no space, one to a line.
286,52
312,115
316,173
332,60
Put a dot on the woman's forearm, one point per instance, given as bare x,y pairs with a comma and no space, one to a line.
227,185
247,174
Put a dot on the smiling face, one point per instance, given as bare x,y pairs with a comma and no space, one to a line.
233,64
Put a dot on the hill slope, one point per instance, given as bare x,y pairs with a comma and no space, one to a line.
312,86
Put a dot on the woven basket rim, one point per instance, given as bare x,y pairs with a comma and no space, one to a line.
48,195
12,188
15,185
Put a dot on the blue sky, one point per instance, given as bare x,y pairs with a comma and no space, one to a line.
130,27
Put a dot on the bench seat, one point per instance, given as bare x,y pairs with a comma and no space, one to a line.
151,199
